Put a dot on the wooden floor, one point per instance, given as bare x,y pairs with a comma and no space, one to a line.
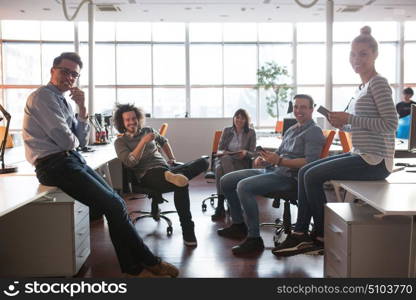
212,257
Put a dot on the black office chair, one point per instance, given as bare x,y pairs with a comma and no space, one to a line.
131,184
282,225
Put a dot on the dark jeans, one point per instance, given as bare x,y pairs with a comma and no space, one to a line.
311,196
78,180
155,179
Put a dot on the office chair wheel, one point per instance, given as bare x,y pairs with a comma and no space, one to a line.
169,230
211,201
204,207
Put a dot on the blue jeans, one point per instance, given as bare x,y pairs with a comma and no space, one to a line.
311,196
78,180
241,187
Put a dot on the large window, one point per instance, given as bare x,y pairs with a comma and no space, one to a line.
198,69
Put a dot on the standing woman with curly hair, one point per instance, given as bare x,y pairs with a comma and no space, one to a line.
372,121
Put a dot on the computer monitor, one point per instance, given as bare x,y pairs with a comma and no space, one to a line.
287,123
411,146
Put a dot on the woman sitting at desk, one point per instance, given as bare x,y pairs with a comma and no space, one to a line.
235,150
372,120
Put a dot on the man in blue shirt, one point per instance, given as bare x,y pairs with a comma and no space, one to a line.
272,172
51,132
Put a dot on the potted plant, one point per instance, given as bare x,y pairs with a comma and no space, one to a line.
272,76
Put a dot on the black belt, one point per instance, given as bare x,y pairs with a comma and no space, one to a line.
44,159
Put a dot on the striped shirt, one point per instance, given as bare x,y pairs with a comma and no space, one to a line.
373,122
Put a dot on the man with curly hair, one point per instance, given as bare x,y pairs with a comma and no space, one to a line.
138,149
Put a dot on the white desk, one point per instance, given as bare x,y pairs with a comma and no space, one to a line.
58,233
389,199
17,191
271,143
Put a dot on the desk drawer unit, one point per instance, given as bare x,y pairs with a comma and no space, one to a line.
360,243
45,238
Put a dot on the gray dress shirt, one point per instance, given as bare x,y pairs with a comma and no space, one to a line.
304,141
49,124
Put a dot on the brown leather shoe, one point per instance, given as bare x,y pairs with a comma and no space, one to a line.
146,274
176,179
164,268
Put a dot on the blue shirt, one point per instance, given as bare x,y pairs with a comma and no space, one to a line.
300,141
49,124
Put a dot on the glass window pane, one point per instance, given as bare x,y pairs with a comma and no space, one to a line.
342,70
281,54
20,30
133,31
342,96
49,52
275,32
317,94
410,31
168,32
206,103
240,64
139,97
410,62
134,64
21,63
265,118
104,70
240,32
205,32
311,64
206,64
169,103
386,61
103,31
235,98
15,101
57,30
381,31
169,64
83,52
104,100
384,31
311,32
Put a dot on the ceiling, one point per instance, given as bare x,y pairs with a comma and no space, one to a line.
212,10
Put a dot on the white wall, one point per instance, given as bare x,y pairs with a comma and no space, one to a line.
190,137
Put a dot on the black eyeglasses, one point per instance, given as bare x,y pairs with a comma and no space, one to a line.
67,72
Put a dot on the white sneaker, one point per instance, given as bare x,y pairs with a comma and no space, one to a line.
176,179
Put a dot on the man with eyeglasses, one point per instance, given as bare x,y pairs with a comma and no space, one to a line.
51,132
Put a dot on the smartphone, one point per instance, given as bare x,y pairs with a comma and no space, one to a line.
259,148
322,110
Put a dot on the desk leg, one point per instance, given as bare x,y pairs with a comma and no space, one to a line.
412,254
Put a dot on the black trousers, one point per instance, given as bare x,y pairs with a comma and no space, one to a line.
155,179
